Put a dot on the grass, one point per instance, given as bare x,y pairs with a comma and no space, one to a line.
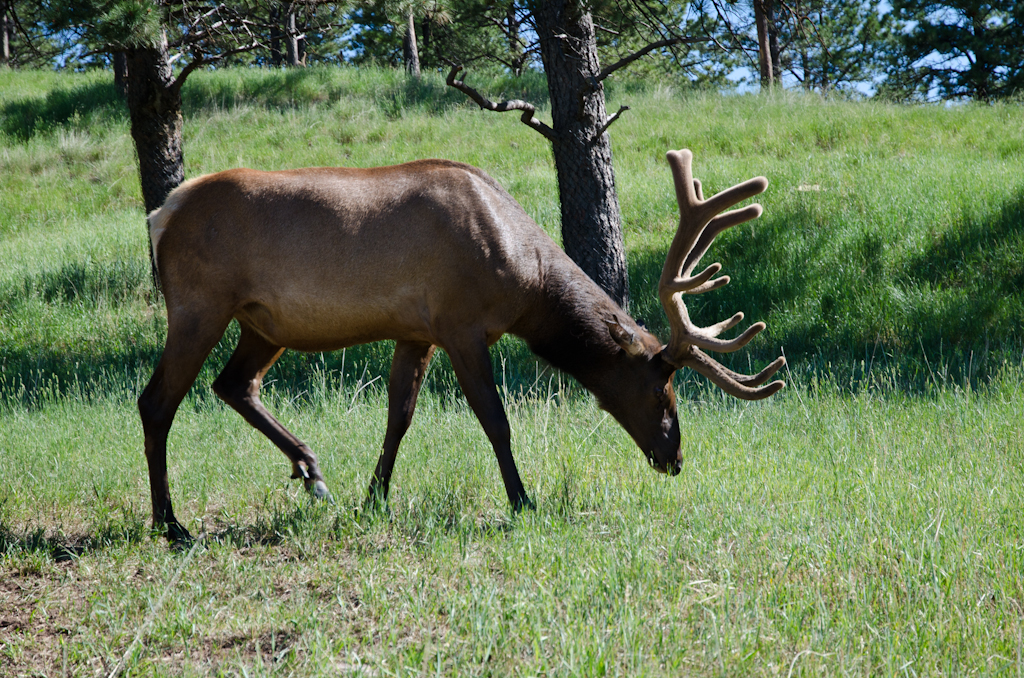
834,533
865,521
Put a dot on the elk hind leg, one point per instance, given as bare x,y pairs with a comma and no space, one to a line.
239,386
189,341
407,371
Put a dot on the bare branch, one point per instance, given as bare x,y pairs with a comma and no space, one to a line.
609,121
609,31
200,61
24,33
528,109
608,70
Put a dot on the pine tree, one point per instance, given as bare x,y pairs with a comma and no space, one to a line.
965,48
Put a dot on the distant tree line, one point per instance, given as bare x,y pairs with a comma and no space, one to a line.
909,50
906,50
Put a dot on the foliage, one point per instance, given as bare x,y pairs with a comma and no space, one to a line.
30,42
964,48
702,61
831,45
198,30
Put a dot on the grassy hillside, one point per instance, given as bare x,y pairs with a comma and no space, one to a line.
892,236
865,521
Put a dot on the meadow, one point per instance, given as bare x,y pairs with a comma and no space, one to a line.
867,520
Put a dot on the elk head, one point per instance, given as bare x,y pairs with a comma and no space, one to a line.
700,221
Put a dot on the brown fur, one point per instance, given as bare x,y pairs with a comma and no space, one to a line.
430,253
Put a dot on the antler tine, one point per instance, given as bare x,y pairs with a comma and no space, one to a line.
700,221
727,380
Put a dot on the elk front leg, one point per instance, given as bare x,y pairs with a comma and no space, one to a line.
189,341
239,386
407,371
472,364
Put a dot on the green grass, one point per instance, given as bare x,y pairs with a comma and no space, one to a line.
865,521
843,535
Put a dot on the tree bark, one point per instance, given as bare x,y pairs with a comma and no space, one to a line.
515,49
121,73
292,42
410,53
274,18
427,31
154,106
591,221
764,52
5,35
773,40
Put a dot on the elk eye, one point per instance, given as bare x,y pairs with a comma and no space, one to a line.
659,391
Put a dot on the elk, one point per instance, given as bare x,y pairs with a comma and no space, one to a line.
430,253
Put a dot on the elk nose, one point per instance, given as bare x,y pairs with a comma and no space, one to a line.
676,465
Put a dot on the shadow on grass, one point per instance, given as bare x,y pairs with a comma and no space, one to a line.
280,522
73,107
121,529
391,91
832,302
981,265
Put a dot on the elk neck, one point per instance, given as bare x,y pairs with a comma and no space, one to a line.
566,325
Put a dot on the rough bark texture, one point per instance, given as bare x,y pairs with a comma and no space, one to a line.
274,19
154,105
764,52
292,43
410,52
773,39
5,42
121,73
426,32
591,222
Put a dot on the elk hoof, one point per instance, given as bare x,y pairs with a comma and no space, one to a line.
178,536
524,503
318,490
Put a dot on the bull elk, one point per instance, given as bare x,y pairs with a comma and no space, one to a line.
429,253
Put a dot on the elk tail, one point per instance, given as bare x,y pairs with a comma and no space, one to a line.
157,221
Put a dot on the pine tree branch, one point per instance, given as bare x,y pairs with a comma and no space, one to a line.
609,121
621,63
528,109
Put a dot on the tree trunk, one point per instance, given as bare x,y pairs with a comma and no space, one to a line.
292,42
410,53
515,50
591,222
121,73
805,66
980,75
764,52
154,106
276,56
427,31
5,39
773,40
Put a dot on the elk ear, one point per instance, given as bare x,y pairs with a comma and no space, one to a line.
625,338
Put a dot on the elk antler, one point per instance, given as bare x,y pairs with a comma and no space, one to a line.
699,222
